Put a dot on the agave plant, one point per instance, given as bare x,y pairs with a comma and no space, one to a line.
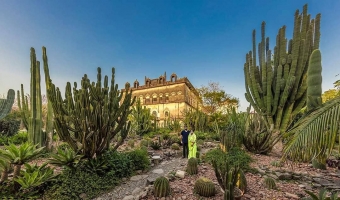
65,158
97,165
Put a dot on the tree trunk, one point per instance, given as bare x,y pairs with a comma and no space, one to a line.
16,173
4,176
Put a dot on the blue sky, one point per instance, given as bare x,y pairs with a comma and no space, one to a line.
202,40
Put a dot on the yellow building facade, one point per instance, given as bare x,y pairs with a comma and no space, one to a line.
167,98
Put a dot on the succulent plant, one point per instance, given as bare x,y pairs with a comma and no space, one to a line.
161,187
204,187
192,166
175,146
6,104
269,183
242,181
155,145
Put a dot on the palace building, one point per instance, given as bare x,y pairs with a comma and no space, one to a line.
167,98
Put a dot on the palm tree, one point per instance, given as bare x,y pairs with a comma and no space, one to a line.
18,156
314,135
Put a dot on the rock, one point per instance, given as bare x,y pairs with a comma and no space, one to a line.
130,197
83,196
158,171
262,172
138,177
136,191
180,174
284,176
150,181
293,196
302,186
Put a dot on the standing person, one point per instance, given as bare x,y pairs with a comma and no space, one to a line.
184,140
192,145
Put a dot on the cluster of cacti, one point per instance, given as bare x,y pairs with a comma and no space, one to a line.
196,119
192,167
91,116
227,178
31,109
6,104
269,183
257,137
161,187
277,88
204,187
141,119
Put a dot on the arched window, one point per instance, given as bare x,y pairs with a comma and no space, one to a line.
166,114
154,113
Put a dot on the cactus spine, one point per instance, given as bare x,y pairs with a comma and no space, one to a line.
35,134
192,167
204,187
89,118
161,187
277,90
6,104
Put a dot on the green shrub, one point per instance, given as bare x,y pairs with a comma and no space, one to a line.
72,184
175,139
140,159
144,143
131,143
18,138
120,164
175,146
200,135
9,127
236,157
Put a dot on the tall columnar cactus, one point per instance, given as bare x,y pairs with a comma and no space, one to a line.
6,104
141,119
49,116
35,134
23,106
161,187
89,118
314,81
277,88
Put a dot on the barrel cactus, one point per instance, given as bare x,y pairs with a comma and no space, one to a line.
192,166
161,187
269,183
204,187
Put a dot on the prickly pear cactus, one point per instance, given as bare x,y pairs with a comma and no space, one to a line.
192,166
204,187
161,187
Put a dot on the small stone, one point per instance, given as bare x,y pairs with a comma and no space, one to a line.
150,181
158,171
83,196
293,196
136,191
130,197
302,186
180,174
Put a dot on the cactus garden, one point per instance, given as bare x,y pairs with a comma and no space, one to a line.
94,138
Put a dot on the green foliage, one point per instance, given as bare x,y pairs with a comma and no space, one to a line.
16,139
175,146
65,157
6,104
235,157
144,142
96,165
322,195
269,183
276,88
204,187
161,187
155,145
9,127
131,143
192,167
90,117
257,137
5,168
72,183
196,119
141,119
139,158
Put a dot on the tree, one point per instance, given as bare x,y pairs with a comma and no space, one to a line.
215,99
329,94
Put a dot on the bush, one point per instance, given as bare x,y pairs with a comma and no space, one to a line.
235,157
18,138
9,127
140,159
119,164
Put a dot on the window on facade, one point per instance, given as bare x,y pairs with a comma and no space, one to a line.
154,113
166,114
147,100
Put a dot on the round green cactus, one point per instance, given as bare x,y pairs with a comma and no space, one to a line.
269,183
192,166
161,187
204,187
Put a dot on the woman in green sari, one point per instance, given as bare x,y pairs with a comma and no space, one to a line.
192,145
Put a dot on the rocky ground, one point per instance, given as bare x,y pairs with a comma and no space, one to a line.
291,180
